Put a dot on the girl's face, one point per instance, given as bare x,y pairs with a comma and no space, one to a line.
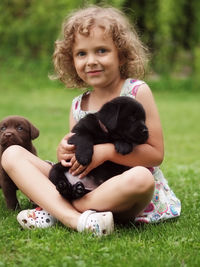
96,58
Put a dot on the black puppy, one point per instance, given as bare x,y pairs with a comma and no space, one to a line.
14,130
120,121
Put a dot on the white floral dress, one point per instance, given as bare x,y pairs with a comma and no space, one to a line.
164,204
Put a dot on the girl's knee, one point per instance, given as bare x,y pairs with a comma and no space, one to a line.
10,155
141,180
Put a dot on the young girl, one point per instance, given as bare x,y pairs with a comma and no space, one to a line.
100,49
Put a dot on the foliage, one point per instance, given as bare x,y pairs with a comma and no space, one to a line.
174,243
171,30
29,28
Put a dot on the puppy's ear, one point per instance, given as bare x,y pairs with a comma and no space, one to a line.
34,132
109,115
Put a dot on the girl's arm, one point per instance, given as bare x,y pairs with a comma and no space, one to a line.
149,154
65,152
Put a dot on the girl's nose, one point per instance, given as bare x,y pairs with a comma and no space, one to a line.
91,60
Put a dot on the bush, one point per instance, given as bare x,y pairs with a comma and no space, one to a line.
28,29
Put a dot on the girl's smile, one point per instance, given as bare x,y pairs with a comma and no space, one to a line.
94,72
96,59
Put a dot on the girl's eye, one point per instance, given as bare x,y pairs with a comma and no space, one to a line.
19,128
102,51
3,128
81,54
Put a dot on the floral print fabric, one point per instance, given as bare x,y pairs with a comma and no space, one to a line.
129,88
164,204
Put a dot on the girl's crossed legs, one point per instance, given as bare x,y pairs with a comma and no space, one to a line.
125,195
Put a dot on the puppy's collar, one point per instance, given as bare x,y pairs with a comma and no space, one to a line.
103,127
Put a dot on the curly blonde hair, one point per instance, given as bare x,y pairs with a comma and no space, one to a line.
131,51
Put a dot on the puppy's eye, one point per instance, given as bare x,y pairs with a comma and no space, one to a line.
19,128
3,128
132,119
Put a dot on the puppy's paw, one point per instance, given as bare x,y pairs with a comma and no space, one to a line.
72,140
78,190
13,205
84,158
64,188
123,148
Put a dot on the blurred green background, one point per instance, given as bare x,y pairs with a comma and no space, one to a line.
171,30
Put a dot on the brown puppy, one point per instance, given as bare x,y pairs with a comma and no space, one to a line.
14,130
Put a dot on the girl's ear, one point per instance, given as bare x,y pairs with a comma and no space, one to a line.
122,60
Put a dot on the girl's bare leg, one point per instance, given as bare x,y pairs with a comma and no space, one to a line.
126,194
30,174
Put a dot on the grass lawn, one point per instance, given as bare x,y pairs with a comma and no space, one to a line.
175,243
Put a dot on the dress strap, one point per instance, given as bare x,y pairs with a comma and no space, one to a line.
76,107
130,87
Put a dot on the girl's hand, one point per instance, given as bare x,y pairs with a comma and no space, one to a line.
76,167
65,151
100,154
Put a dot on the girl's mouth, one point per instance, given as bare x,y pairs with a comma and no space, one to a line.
94,72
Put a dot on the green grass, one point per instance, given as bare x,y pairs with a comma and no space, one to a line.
175,243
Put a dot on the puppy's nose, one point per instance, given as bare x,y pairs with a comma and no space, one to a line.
8,134
145,132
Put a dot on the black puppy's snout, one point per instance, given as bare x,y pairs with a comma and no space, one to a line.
144,131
